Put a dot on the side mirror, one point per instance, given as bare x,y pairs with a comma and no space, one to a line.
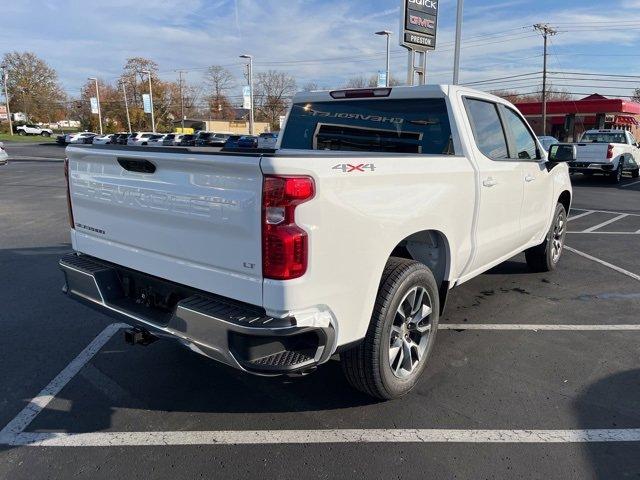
562,153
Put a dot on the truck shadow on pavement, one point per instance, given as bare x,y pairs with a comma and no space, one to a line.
612,403
601,181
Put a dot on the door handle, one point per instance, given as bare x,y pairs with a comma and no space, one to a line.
490,182
137,165
529,178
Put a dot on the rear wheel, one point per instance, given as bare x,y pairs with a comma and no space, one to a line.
635,173
401,335
22,133
546,256
616,177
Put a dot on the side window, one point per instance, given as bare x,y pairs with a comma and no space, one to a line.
525,144
487,128
632,139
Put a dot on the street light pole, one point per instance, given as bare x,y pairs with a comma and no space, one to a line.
388,34
126,105
153,119
98,99
181,100
5,79
251,114
456,58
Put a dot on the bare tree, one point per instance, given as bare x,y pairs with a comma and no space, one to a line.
363,82
310,87
357,82
219,81
274,91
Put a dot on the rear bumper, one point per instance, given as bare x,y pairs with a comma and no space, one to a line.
239,335
578,167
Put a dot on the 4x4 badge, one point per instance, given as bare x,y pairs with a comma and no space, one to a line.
348,168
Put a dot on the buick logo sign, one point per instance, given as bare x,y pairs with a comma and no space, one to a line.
427,6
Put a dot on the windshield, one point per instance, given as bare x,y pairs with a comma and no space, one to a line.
397,126
604,137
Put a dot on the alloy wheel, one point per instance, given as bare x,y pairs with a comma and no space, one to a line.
410,332
557,240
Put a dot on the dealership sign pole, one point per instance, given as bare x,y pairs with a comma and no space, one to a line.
418,24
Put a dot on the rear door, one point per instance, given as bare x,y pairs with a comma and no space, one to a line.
498,230
189,218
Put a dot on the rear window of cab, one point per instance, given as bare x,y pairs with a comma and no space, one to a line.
419,126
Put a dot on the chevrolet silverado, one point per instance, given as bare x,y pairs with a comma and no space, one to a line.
346,239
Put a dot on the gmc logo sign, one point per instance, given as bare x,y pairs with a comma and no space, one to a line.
422,22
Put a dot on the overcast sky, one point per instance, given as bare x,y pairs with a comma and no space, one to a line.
325,41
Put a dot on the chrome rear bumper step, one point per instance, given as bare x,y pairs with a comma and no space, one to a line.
236,334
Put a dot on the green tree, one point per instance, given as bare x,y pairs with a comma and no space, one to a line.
33,87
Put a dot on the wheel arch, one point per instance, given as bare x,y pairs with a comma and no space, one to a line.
431,248
565,200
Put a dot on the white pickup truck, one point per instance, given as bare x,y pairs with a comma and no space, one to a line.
610,152
346,239
29,129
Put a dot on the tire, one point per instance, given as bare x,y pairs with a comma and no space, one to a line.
635,173
546,256
378,366
22,133
616,177
45,134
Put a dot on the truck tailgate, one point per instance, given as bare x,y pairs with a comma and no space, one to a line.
194,220
592,152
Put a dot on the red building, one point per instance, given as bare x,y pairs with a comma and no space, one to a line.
568,119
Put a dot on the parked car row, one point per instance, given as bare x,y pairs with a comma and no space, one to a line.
150,139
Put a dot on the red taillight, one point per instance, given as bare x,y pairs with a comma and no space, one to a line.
69,209
610,151
285,245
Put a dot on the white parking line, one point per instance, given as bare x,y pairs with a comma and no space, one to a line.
305,437
630,184
606,264
607,233
536,328
48,393
604,224
13,433
606,211
589,212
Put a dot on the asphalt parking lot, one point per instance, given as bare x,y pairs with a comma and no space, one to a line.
533,375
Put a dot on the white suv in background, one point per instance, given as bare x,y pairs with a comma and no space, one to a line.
30,129
138,139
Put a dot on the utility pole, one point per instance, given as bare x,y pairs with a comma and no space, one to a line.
546,31
5,79
251,118
153,119
456,57
388,34
98,100
180,72
126,105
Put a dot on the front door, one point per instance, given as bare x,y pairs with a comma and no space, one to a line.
537,203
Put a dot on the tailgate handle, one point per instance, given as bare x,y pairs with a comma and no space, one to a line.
137,165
